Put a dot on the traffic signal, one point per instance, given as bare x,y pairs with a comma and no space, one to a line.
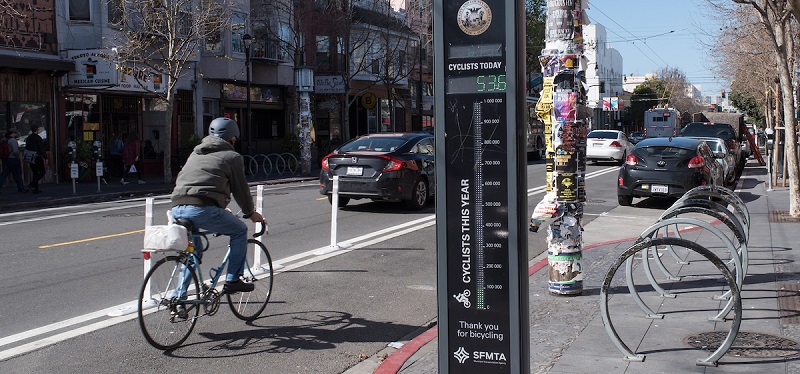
723,94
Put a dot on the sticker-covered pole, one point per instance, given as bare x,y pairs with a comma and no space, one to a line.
561,107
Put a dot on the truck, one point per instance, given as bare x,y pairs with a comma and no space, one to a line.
535,145
661,123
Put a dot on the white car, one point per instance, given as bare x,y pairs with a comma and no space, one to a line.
607,145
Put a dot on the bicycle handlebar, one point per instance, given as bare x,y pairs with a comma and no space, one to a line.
264,229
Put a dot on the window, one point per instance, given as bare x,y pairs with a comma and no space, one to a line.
238,29
341,56
115,11
401,63
285,36
322,4
323,56
375,65
79,10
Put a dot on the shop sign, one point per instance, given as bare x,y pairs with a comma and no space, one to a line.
328,84
93,67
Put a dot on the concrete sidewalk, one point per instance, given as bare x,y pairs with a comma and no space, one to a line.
568,335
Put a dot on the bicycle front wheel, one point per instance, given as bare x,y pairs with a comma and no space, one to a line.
169,302
248,306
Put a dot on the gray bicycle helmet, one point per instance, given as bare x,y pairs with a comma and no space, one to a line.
224,128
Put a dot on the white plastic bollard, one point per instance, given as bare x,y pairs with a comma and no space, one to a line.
334,246
133,308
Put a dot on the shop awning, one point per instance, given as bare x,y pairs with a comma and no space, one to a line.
56,67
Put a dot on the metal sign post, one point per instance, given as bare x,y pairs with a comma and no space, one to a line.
481,212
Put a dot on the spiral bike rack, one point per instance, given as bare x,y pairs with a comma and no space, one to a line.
696,201
280,163
645,244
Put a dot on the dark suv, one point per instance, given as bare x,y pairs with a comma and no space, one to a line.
723,131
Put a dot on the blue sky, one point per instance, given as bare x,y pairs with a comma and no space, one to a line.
655,34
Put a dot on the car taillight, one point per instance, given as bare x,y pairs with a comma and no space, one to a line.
631,160
325,162
616,144
621,181
394,164
696,162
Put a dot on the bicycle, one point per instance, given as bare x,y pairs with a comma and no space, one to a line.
174,292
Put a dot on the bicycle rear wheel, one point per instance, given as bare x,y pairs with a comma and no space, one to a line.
166,315
248,306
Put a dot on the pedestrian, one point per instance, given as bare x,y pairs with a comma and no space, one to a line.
116,167
36,156
131,154
214,171
12,164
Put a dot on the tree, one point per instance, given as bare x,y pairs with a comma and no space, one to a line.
751,105
778,19
535,19
644,97
676,87
161,37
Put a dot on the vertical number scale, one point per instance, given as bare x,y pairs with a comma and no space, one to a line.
480,281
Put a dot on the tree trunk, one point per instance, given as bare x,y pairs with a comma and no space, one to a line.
790,141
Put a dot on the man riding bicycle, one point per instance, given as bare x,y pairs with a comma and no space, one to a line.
203,189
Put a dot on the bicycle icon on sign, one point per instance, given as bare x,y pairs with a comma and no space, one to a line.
463,298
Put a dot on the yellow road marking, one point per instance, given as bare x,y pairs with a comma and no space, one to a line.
91,239
322,198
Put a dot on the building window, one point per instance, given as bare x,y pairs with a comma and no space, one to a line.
115,11
79,10
285,36
340,53
375,65
322,4
401,63
323,56
238,29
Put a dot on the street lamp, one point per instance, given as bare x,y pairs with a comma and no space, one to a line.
247,41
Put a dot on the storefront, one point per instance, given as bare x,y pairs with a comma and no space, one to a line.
268,125
103,100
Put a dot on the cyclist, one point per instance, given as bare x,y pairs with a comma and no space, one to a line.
203,189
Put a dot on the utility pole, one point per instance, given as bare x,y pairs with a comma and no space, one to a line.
566,125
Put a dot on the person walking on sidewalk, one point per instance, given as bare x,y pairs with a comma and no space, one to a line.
34,143
131,154
116,167
12,164
203,189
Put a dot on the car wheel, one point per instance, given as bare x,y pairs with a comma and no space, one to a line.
625,200
622,160
419,195
342,200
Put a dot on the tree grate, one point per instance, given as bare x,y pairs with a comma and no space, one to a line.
747,344
781,216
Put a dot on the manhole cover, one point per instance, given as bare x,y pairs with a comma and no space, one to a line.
782,216
137,214
747,344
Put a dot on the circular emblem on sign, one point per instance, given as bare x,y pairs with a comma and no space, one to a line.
474,17
368,100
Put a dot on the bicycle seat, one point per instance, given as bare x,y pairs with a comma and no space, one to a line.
187,224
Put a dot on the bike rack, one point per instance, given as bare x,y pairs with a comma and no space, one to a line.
280,163
696,201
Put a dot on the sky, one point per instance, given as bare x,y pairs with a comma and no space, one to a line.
654,34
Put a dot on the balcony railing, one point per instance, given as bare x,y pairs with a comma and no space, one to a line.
269,50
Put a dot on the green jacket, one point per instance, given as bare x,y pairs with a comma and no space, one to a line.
212,173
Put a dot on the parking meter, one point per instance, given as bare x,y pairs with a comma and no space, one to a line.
97,153
72,151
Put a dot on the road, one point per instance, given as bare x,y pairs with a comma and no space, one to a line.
67,268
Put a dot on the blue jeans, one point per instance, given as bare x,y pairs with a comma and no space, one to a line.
219,221
14,167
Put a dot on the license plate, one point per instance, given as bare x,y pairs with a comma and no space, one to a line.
597,145
659,189
355,170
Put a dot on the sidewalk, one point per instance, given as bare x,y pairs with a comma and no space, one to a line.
567,333
58,194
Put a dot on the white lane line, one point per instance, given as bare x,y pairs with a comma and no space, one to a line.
376,237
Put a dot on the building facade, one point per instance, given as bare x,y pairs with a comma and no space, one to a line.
604,78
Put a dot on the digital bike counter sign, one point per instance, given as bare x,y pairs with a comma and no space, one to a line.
481,194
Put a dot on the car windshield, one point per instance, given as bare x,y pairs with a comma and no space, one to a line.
665,152
602,135
374,144
715,146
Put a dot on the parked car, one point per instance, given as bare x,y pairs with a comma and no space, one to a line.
666,167
383,166
724,158
607,145
636,137
723,131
